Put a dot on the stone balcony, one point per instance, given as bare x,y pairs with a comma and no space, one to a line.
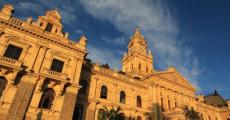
16,21
55,75
10,62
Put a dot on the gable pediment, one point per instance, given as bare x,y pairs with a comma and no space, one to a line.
176,77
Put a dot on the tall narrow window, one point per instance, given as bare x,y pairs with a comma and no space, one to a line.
83,84
131,67
47,98
162,104
78,111
3,83
121,116
139,118
13,52
169,104
147,70
201,116
122,97
138,101
175,104
139,66
57,65
103,92
49,27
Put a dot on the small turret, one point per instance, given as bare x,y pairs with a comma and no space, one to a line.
83,41
6,11
29,20
150,54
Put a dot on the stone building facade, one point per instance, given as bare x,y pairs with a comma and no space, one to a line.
45,76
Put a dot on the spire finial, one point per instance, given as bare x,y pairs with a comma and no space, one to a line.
137,31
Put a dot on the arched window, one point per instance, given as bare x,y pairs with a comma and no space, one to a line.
162,104
139,118
3,83
78,111
201,116
175,104
138,101
169,104
139,66
47,98
121,116
83,84
101,114
122,97
147,70
103,92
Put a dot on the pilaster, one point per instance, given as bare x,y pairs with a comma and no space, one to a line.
91,111
69,103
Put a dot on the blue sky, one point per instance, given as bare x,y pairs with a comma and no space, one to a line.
191,35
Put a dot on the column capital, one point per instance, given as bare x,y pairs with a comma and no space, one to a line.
73,89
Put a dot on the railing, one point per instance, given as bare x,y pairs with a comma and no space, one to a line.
73,43
20,22
16,21
55,74
10,61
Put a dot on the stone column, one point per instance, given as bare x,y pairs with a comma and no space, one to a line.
69,103
22,98
91,111
159,90
34,56
155,104
173,100
115,94
179,99
40,59
77,71
165,99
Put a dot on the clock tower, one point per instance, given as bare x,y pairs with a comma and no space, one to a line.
137,61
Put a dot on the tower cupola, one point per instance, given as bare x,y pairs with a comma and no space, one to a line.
137,60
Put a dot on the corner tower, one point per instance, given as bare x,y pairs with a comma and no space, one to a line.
137,61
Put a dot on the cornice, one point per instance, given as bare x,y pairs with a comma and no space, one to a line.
42,35
206,106
120,77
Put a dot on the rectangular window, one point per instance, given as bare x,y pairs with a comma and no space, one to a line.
162,105
49,27
13,52
57,65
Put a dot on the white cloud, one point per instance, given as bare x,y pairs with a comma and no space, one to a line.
66,9
79,32
68,16
157,25
117,40
27,7
103,56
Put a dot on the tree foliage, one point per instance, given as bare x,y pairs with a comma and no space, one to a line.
191,114
110,114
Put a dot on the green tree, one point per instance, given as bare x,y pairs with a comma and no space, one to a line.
191,114
110,114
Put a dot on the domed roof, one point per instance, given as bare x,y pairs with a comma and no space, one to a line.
137,38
